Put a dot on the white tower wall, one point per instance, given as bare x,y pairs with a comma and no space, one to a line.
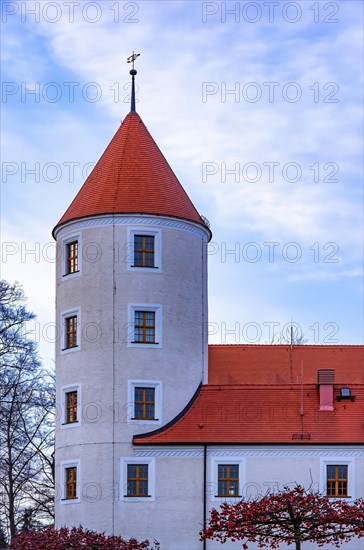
105,363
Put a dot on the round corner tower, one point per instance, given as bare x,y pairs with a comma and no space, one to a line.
131,302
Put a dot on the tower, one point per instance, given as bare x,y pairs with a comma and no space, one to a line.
131,304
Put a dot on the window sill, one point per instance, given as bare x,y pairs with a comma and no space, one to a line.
137,496
72,273
70,423
228,496
145,266
68,349
146,343
146,419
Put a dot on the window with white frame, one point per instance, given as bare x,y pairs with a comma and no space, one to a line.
71,405
338,477
145,401
144,249
137,479
145,325
71,256
71,330
70,481
227,477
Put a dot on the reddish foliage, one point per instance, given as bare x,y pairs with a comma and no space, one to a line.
76,538
291,516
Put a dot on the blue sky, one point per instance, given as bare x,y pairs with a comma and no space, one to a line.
257,106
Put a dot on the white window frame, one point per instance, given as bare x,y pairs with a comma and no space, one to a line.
338,460
157,308
157,385
64,390
229,459
70,464
65,242
124,478
64,315
157,234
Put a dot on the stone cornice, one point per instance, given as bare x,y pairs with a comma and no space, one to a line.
127,219
191,452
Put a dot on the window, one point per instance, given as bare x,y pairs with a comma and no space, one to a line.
71,331
137,480
227,477
71,324
145,401
337,476
228,480
71,407
143,251
71,399
337,480
72,257
71,482
144,327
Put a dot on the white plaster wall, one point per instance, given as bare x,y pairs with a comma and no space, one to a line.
177,511
104,363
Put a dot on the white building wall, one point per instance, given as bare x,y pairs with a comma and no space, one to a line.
104,362
179,486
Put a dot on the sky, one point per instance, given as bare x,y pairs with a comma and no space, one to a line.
257,107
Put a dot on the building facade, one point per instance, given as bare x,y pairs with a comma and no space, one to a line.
155,427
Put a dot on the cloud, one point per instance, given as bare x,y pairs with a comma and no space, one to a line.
179,53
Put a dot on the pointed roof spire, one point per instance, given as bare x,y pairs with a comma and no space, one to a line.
132,177
133,72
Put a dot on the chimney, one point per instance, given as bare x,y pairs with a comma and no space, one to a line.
325,381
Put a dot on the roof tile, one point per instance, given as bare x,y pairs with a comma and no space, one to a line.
132,176
250,399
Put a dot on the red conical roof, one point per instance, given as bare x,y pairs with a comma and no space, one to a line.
132,176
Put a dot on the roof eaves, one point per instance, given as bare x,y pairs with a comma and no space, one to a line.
171,422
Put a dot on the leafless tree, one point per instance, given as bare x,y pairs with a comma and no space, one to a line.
26,419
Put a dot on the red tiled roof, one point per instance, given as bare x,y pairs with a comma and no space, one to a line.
269,364
252,414
132,176
269,411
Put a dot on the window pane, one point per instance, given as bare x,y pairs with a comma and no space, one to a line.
71,406
144,403
71,482
71,331
337,480
144,326
143,251
72,257
228,479
137,482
